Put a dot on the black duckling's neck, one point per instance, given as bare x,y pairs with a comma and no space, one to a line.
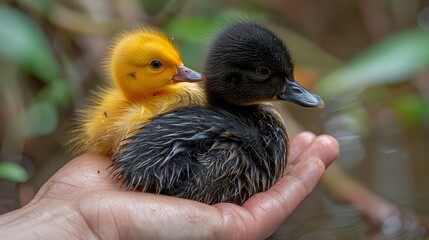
242,110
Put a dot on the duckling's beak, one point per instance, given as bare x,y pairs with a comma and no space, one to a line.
297,94
185,74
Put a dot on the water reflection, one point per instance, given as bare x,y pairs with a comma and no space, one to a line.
333,220
340,127
385,158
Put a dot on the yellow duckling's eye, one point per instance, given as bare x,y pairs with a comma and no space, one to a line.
156,64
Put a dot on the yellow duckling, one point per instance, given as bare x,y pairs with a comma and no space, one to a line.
147,77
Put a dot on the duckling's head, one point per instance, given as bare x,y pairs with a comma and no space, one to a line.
248,64
143,61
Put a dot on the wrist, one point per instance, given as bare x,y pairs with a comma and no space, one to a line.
44,219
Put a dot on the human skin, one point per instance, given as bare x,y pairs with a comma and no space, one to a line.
81,201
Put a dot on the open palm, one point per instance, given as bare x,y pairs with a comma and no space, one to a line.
82,201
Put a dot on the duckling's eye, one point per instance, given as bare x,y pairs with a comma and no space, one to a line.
156,64
263,71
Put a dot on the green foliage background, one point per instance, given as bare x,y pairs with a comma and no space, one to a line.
369,60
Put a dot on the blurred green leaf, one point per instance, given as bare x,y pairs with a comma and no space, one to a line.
13,172
22,41
202,28
43,6
411,110
393,59
192,34
153,7
39,119
191,29
57,92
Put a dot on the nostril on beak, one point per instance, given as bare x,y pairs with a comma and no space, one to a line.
296,90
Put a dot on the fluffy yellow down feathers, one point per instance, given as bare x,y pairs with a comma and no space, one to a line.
147,78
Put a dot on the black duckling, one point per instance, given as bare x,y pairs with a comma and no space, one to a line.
234,147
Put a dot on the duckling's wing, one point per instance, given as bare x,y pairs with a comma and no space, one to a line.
201,154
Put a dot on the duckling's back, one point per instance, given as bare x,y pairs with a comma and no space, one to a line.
204,154
110,117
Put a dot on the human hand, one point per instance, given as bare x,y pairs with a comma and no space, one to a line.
82,201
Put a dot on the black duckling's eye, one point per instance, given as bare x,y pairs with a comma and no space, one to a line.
263,71
156,64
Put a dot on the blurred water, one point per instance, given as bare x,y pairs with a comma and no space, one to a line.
386,158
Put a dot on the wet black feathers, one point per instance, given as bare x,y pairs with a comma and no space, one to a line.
204,154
